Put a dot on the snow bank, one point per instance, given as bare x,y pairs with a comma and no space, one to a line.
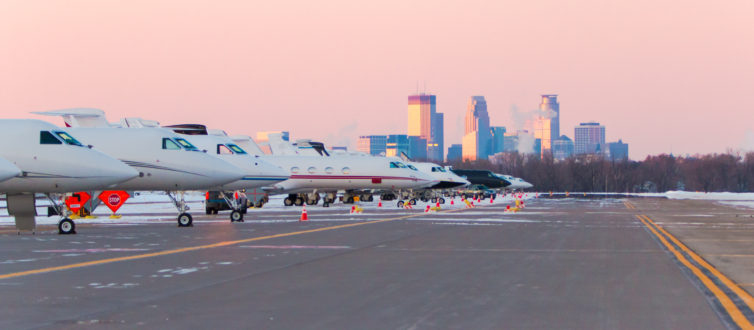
715,196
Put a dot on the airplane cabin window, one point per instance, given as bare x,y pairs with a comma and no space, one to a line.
312,170
169,144
186,145
69,139
223,150
412,167
393,165
346,170
329,170
46,137
236,149
294,169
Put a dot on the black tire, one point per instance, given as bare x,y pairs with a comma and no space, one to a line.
66,227
370,199
412,201
236,215
259,204
326,204
424,199
185,220
208,211
442,200
434,199
287,201
299,201
311,202
400,204
349,200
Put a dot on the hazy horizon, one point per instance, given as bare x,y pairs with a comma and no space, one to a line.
661,76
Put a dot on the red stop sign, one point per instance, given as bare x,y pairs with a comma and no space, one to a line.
114,199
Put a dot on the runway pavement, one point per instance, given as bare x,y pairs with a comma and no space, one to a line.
560,263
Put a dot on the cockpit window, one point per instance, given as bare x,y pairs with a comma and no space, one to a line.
46,137
397,165
236,149
186,145
68,139
223,150
169,144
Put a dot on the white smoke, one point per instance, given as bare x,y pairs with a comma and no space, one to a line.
748,143
343,137
525,142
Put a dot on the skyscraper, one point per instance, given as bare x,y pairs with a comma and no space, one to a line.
618,150
562,148
497,139
547,122
476,141
425,122
589,137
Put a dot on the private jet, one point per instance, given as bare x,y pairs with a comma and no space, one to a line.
51,162
258,172
164,160
312,174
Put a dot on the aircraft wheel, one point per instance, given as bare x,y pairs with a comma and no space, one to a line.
434,200
299,201
424,200
370,199
400,204
311,202
236,215
66,227
287,201
325,204
442,200
349,200
185,220
412,201
208,211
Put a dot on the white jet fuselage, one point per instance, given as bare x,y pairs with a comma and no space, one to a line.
51,163
161,161
446,178
327,174
257,172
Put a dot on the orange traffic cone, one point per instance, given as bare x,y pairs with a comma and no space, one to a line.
379,204
438,204
492,200
427,210
353,209
304,216
507,207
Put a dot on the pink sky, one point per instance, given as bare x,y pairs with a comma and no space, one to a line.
661,75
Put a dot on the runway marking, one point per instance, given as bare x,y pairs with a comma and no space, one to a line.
730,307
732,255
629,205
717,240
199,247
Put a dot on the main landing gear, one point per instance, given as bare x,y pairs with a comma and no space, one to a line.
237,210
184,219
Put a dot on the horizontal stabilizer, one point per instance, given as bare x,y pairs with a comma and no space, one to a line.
79,117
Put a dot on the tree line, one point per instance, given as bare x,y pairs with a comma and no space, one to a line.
733,172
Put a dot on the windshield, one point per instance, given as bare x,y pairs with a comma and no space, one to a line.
46,137
236,149
169,144
186,145
412,167
68,139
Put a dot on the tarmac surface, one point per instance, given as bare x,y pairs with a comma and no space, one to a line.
565,263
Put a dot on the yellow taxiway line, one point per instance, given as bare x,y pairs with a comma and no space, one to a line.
198,247
734,311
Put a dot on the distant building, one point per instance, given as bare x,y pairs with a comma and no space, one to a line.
339,148
417,148
425,122
476,141
396,144
372,144
455,152
510,142
547,123
617,150
497,138
263,139
589,138
562,148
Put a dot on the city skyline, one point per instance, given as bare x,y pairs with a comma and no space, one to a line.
656,73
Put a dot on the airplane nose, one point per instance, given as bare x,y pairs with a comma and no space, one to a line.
8,170
223,172
121,172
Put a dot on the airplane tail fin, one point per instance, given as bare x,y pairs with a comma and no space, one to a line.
79,117
278,146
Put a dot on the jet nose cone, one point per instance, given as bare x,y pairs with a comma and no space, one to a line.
112,170
122,172
223,172
8,170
